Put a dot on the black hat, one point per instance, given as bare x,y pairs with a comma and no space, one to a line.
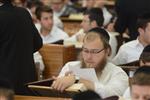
143,69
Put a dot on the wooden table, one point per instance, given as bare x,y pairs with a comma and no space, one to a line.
21,97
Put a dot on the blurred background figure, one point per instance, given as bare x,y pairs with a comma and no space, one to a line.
130,51
140,84
107,15
61,8
88,4
46,2
31,5
19,3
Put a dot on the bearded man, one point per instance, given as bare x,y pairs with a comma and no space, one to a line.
112,80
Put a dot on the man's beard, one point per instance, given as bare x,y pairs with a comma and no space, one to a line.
98,68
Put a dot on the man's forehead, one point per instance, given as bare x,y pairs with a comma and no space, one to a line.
96,43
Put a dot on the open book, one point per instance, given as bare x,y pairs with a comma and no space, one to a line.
43,88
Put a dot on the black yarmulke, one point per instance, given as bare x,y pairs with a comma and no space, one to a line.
143,69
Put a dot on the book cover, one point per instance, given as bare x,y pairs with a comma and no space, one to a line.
43,88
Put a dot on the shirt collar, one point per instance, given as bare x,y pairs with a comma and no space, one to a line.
50,33
138,43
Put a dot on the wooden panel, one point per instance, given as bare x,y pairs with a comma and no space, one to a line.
71,26
20,97
55,56
127,69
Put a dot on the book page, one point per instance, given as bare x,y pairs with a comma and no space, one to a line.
85,73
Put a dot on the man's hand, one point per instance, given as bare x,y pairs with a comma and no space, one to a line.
62,83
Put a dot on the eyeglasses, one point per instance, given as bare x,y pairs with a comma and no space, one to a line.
92,51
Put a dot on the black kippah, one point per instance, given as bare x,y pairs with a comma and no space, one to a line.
143,69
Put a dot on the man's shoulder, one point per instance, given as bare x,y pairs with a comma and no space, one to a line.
129,44
58,30
113,67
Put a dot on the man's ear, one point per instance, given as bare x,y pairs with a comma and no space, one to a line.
93,24
38,21
108,51
141,63
140,30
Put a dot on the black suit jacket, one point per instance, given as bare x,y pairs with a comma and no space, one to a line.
128,11
19,39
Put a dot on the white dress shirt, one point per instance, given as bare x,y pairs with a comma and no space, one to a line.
107,16
127,94
55,35
128,52
113,80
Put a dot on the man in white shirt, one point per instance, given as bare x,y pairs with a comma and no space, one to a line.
61,8
131,51
140,84
144,60
49,32
112,80
91,19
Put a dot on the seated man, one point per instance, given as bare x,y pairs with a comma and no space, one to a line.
131,51
48,31
61,8
140,84
144,61
112,80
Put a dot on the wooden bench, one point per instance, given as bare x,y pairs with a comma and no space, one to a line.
71,26
21,97
55,56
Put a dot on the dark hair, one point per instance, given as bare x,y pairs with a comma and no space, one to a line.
141,76
96,14
145,55
41,9
87,95
143,20
34,3
6,1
